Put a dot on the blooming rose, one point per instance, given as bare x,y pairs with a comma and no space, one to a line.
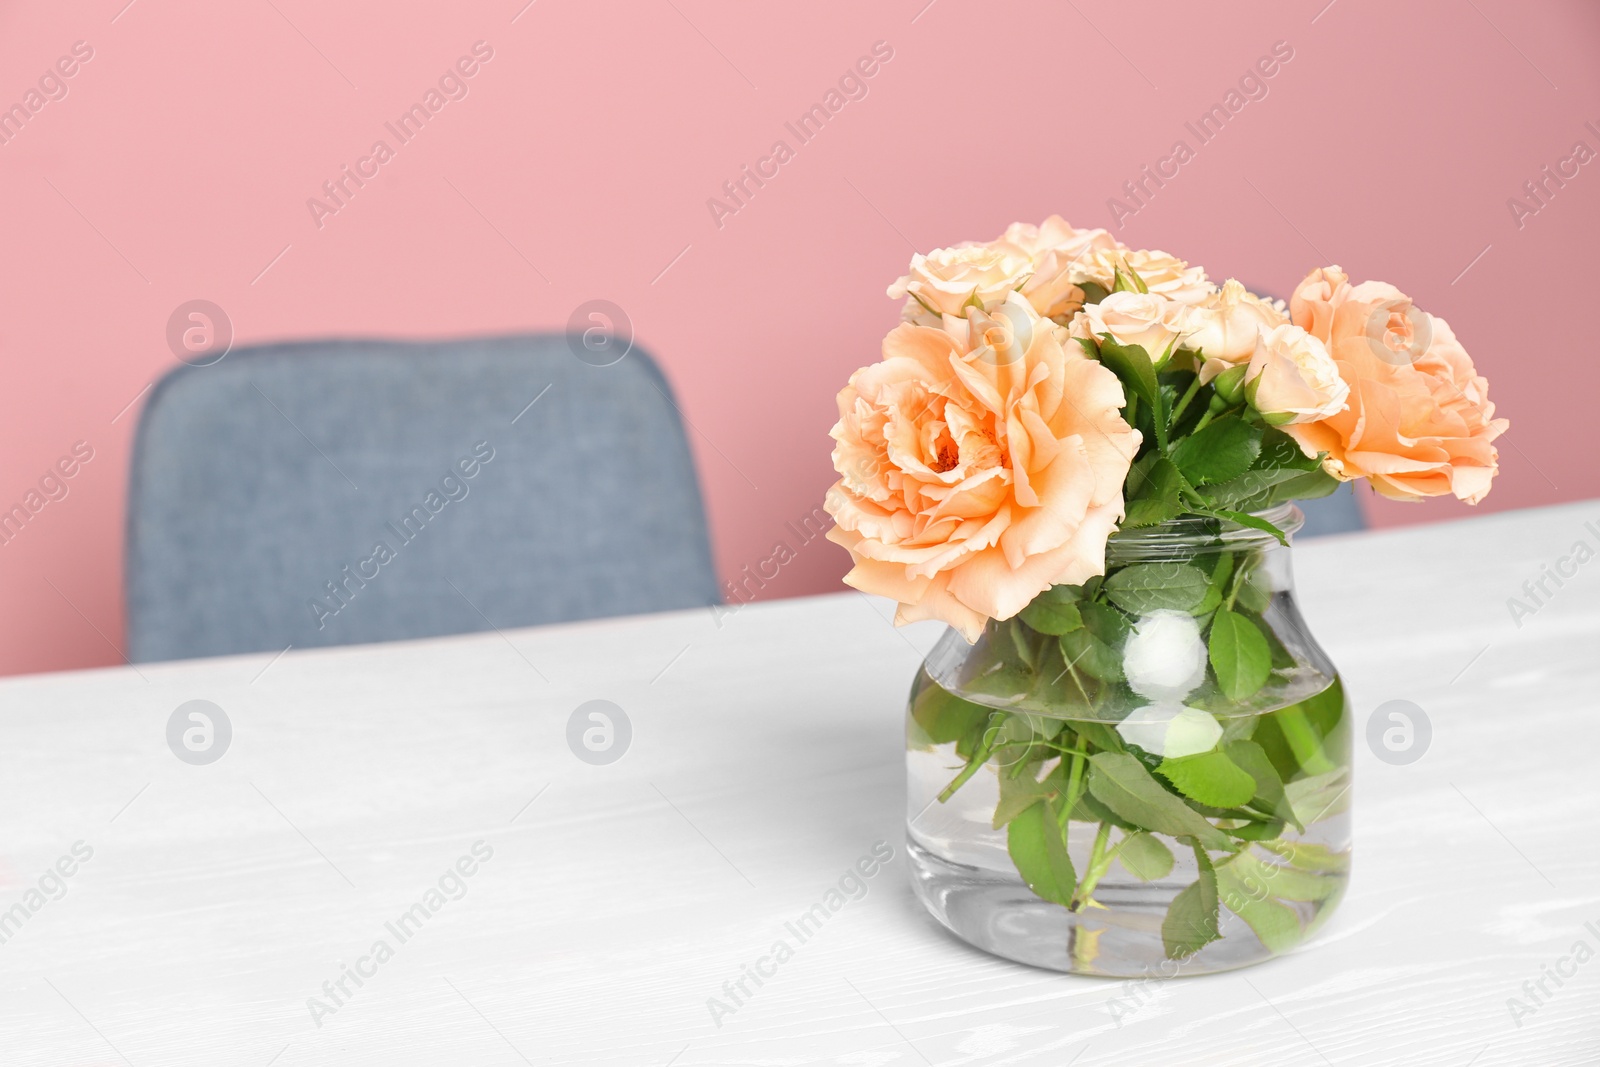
979,465
945,280
1419,421
1292,378
1054,247
1225,328
1145,319
1163,275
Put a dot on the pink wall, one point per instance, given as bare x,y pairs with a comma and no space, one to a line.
179,163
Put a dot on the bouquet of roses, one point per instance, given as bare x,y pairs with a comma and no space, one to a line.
1053,384
1052,388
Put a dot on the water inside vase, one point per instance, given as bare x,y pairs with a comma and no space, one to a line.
1274,883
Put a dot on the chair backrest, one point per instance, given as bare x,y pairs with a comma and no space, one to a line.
349,491
1333,514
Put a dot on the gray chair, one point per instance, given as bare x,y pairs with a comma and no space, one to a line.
1332,514
352,491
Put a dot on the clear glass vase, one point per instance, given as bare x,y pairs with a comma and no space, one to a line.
1148,775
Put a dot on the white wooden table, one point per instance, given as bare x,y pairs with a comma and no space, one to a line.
765,761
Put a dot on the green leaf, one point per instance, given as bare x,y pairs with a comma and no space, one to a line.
1252,490
1005,682
1157,492
1253,521
1088,809
1019,641
1192,917
1253,593
1120,782
1309,486
1132,364
1085,652
1142,588
1269,795
1210,778
1280,451
1310,857
1050,614
1019,792
1286,883
1125,279
1222,450
1275,923
1322,796
1106,623
1145,857
1039,850
1100,735
1239,655
945,717
1306,738
1093,292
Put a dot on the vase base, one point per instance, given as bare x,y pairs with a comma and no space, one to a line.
1001,915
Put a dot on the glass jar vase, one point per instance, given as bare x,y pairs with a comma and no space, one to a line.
1147,775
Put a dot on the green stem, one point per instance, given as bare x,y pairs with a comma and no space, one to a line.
1239,576
979,758
1177,412
1075,783
1099,863
1303,741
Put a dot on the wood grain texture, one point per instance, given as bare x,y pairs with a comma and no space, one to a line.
766,759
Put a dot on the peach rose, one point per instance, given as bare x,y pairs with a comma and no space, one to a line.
1419,421
1292,378
945,280
1145,319
979,465
1226,327
1163,275
1054,248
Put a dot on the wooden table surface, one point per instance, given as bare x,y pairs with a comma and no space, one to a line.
606,905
